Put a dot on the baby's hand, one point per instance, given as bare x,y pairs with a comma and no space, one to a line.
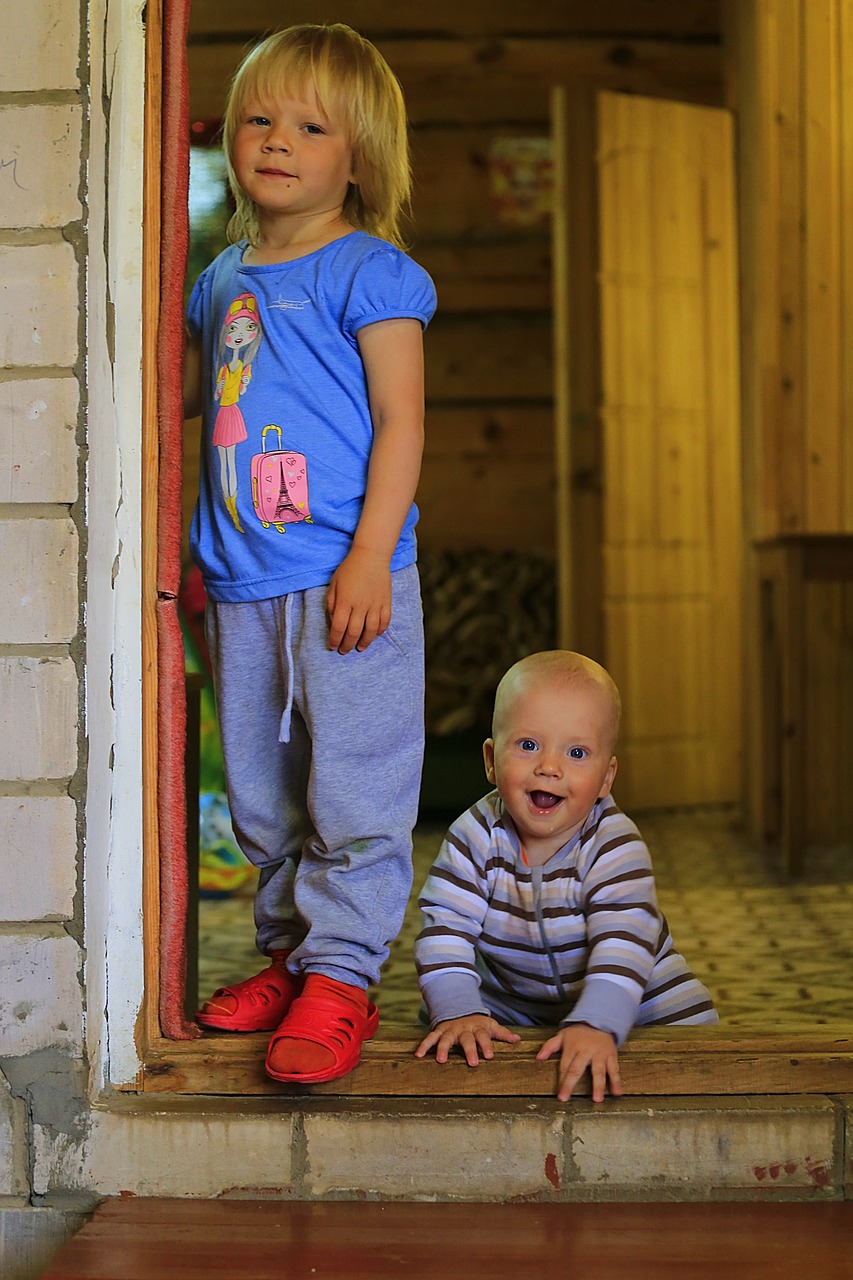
580,1047
474,1033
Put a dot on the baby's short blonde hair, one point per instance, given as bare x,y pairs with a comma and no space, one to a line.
357,89
564,667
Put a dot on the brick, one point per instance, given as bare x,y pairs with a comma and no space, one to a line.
43,51
171,1151
40,305
38,581
40,996
39,166
38,846
38,718
38,447
13,1143
495,1155
755,1146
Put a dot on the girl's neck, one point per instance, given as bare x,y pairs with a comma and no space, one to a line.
284,239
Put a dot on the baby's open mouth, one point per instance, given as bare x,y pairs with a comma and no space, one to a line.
544,799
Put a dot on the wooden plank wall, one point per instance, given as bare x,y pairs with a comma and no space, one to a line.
474,74
790,82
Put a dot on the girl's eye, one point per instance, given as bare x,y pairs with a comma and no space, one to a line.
577,753
314,129
527,744
261,120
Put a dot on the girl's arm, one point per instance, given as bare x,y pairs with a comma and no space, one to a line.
359,598
192,379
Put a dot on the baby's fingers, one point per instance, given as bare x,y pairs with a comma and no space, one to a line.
503,1033
572,1067
549,1048
427,1043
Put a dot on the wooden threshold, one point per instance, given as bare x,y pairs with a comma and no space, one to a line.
656,1062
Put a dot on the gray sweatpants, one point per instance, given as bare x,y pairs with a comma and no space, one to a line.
323,757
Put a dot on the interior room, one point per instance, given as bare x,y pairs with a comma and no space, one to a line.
590,478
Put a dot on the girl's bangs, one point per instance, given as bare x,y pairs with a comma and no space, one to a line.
295,72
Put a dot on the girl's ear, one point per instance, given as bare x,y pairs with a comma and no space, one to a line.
489,759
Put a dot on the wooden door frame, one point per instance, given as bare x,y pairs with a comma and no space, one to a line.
656,1062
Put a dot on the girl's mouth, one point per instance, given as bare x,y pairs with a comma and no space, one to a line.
544,799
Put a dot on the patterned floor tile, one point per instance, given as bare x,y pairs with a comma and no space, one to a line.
771,953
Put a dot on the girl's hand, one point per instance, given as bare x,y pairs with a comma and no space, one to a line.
580,1047
359,600
473,1033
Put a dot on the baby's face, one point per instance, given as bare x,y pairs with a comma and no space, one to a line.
551,759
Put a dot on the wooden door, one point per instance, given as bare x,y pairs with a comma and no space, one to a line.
671,518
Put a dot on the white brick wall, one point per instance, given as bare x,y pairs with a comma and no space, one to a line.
41,1005
40,158
38,447
41,176
39,303
40,46
37,834
42,172
38,719
38,580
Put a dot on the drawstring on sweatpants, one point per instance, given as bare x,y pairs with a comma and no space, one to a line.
284,726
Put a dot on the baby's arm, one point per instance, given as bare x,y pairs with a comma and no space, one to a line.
581,1047
473,1033
359,598
454,902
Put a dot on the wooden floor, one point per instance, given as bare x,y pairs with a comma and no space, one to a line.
139,1239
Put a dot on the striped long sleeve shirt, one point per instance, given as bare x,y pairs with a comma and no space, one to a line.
579,939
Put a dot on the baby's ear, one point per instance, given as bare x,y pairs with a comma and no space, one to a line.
608,778
489,759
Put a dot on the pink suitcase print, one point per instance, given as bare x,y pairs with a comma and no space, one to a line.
279,484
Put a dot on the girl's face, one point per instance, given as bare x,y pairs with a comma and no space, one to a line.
240,332
291,159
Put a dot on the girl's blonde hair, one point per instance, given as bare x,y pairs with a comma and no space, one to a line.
357,89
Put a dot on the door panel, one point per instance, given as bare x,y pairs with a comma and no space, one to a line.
671,440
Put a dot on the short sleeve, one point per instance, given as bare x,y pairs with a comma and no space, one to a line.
388,286
195,307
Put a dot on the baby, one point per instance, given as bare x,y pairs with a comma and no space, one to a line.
540,909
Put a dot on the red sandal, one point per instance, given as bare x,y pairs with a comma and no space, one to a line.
333,1024
262,1000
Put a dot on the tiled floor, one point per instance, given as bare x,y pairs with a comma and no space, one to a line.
774,955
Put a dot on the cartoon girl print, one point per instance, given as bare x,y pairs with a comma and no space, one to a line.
239,340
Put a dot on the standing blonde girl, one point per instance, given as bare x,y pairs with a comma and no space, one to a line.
315,626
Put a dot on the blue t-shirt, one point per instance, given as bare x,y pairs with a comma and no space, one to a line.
287,431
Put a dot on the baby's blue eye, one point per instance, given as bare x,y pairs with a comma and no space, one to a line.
527,744
578,753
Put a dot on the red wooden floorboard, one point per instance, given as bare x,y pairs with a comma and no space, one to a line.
142,1239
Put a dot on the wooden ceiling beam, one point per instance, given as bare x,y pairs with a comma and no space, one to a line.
476,81
679,19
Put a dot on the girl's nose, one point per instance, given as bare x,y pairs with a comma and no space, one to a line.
277,140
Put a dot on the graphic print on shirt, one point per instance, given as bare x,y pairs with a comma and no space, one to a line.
279,484
239,339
